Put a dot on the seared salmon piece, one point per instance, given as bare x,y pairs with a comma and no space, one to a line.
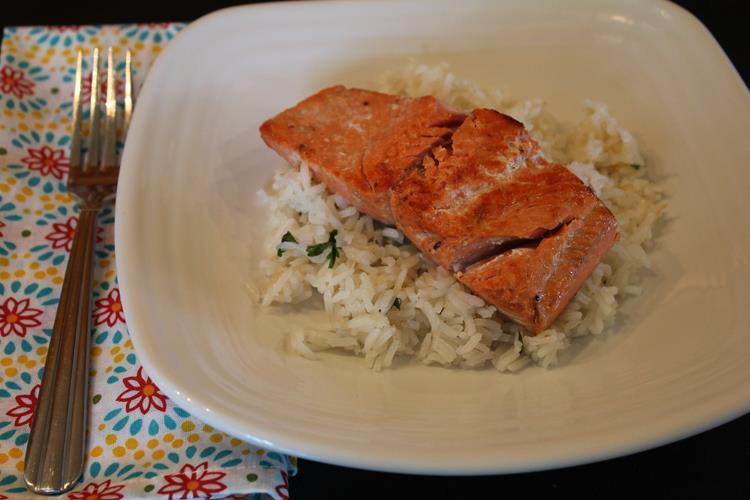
532,284
358,142
519,231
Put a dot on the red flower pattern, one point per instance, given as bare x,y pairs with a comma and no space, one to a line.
103,491
16,317
2,224
13,81
86,88
24,412
283,488
48,161
193,482
63,232
109,309
141,394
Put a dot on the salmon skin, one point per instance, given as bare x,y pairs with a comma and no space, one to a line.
474,193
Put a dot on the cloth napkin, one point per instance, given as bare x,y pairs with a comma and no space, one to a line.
140,444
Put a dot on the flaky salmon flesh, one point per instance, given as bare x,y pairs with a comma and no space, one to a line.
473,192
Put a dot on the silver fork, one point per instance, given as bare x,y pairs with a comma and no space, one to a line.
56,448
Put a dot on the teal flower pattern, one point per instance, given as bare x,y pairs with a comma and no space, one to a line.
156,33
8,214
21,315
43,160
18,84
64,36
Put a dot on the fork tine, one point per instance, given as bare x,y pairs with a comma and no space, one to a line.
110,116
75,140
93,158
128,94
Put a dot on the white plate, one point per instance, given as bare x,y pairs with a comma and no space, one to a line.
188,233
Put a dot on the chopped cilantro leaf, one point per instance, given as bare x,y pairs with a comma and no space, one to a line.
288,237
314,250
319,248
334,250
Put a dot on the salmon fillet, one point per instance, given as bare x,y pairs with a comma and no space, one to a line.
474,193
358,142
519,231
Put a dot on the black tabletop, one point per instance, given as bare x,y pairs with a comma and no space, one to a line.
710,465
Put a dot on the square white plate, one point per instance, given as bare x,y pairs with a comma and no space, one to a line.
188,233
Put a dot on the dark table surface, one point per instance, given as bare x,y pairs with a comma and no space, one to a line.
710,465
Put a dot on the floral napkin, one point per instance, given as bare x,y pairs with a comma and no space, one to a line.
140,444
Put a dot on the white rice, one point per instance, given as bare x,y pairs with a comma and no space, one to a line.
388,301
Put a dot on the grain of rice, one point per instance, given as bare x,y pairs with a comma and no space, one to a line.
394,234
297,341
470,345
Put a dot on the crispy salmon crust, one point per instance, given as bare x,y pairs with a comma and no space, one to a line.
533,284
519,231
358,142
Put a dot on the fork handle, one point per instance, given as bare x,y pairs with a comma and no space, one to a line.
56,448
